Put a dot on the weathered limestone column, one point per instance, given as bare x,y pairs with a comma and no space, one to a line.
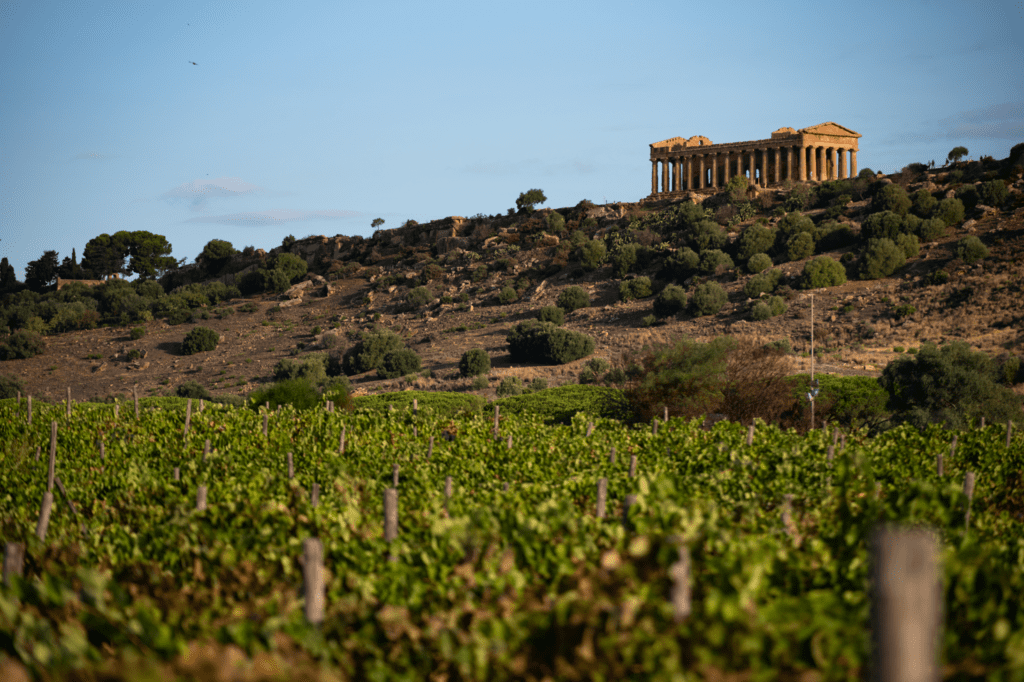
686,184
676,184
812,164
789,163
714,170
654,177
753,167
703,173
778,165
802,173
664,176
842,164
822,169
832,165
853,163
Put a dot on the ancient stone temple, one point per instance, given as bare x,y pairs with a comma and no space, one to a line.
816,153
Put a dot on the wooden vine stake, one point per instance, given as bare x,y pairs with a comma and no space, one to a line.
38,450
201,405
69,402
665,415
390,514
135,397
509,442
394,475
680,595
103,454
115,411
611,455
835,437
602,496
314,588
341,442
982,424
430,448
504,487
626,506
14,560
590,429
632,466
969,492
264,424
447,492
291,467
415,407
314,495
906,605
938,463
177,474
44,515
497,413
30,410
53,457
188,416
750,435
415,432
201,498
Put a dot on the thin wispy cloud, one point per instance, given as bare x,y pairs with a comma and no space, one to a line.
273,217
199,192
1004,121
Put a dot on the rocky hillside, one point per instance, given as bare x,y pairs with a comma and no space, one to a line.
459,283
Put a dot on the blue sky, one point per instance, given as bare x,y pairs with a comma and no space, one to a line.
317,117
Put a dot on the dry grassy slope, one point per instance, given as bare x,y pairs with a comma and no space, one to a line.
981,304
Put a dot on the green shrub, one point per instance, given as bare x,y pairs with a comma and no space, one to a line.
924,203
368,353
399,363
648,320
790,225
507,295
480,383
759,262
299,393
553,314
970,250
715,262
556,223
476,361
290,265
884,225
950,211
10,386
948,384
593,254
199,340
768,308
909,244
904,310
708,298
800,246
624,260
823,272
193,390
534,341
891,198
573,298
881,258
137,333
418,297
754,240
510,386
178,316
682,264
479,273
848,402
312,367
707,234
831,235
993,193
1010,371
638,287
249,307
670,301
931,229
763,283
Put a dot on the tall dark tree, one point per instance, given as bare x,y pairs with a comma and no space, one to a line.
41,273
8,278
104,255
148,254
215,255
69,268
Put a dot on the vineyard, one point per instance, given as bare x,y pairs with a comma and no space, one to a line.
177,545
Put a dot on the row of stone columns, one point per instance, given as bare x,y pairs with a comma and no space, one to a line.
775,165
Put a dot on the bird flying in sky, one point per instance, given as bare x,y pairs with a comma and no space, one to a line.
193,64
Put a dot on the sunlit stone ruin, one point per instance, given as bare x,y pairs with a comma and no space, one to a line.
818,153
